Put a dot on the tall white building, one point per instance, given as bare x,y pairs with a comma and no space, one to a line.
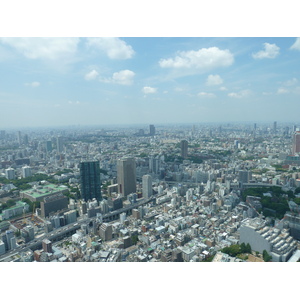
26,171
10,174
147,186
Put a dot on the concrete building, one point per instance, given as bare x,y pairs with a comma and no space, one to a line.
147,186
10,174
105,231
40,192
184,148
152,130
296,143
53,203
126,176
26,171
278,243
47,246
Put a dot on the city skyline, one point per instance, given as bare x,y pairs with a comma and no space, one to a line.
104,81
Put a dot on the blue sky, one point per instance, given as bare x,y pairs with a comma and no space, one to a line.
90,81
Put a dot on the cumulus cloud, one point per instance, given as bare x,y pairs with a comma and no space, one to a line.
296,45
114,48
214,80
206,95
33,84
223,88
241,94
270,51
43,48
124,77
149,90
204,59
91,75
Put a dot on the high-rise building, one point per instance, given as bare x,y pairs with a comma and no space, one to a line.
59,144
19,137
10,174
147,186
296,143
26,171
90,183
184,148
152,130
47,246
275,127
126,176
26,141
48,146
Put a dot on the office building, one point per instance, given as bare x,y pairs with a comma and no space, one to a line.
126,176
19,137
296,143
10,174
147,186
105,232
53,203
245,176
90,184
152,130
26,140
184,148
40,192
26,171
47,246
59,144
48,146
70,217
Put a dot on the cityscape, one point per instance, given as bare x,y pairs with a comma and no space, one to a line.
149,150
152,193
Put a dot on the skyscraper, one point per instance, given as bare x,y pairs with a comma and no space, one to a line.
184,148
152,130
147,186
296,143
126,176
90,184
59,144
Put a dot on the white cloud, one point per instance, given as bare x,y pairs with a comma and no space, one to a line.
33,84
241,94
291,82
149,90
223,88
270,51
178,89
43,48
91,75
296,45
204,59
214,80
115,48
124,77
282,91
206,95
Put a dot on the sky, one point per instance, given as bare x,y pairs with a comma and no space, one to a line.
91,81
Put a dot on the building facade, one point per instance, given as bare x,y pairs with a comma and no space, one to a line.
90,183
126,176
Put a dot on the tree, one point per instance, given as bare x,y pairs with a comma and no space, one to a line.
266,256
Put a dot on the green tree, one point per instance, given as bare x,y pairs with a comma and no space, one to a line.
266,256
